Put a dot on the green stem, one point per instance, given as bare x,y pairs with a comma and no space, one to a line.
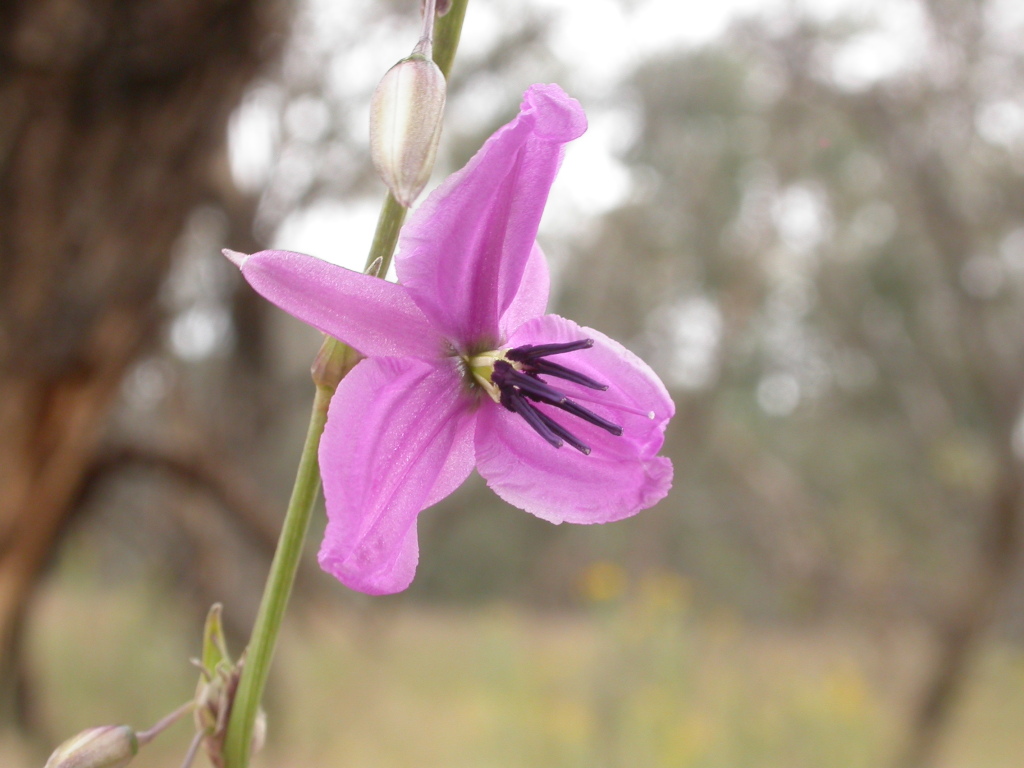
392,216
260,650
144,737
447,31
193,750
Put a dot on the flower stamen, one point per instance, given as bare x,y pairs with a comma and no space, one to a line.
512,378
530,352
548,368
563,433
515,402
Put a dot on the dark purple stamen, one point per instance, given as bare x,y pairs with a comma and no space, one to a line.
560,371
564,433
529,352
505,376
587,415
518,386
516,403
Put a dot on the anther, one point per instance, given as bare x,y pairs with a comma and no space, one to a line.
506,376
564,433
517,380
530,352
516,403
576,409
561,372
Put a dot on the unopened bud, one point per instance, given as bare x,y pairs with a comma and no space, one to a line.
405,125
332,363
111,746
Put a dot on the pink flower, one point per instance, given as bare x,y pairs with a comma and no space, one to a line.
464,369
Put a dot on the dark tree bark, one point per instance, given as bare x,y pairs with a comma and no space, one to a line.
112,128
963,630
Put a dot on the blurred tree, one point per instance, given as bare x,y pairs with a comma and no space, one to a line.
827,267
828,264
112,130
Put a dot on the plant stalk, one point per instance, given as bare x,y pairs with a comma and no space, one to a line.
260,650
144,737
281,578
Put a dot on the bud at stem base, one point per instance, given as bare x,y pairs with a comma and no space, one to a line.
110,746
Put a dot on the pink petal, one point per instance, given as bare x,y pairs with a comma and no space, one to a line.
532,299
374,316
398,439
464,251
621,476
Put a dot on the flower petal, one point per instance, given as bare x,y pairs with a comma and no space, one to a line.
464,251
622,475
372,315
532,299
398,439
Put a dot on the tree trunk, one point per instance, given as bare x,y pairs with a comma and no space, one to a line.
959,638
112,124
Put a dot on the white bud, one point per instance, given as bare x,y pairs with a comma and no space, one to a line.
405,125
111,746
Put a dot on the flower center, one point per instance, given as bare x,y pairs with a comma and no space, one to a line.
512,377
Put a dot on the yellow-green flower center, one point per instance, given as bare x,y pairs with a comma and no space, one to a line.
481,368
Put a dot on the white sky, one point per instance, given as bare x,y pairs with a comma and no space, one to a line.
602,40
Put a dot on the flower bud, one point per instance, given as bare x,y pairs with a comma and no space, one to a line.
332,363
111,746
405,125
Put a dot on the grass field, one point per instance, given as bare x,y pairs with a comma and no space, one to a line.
640,678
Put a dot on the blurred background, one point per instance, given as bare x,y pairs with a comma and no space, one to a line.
808,216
